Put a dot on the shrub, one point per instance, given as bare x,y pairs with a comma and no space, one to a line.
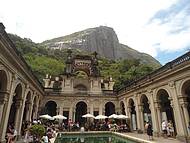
37,131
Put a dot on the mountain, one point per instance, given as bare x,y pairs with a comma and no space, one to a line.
43,60
102,40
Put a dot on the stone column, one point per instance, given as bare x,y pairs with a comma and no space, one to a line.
153,114
60,110
129,114
33,112
27,111
3,101
179,121
141,117
91,109
74,111
29,114
71,113
103,111
36,110
18,117
125,105
1,110
57,110
138,114
100,109
158,112
186,116
3,104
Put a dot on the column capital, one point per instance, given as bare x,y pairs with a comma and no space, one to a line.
150,91
171,84
19,103
157,105
129,109
172,103
3,98
170,98
184,104
140,107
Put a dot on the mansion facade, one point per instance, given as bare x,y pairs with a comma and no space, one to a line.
161,95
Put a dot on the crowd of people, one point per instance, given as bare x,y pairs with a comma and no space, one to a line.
96,126
27,136
51,127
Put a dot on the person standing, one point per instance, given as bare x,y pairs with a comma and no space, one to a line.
150,131
164,128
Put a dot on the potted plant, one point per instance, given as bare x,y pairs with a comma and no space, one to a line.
37,132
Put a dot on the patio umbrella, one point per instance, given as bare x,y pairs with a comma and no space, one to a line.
46,116
122,117
88,116
60,117
101,117
114,116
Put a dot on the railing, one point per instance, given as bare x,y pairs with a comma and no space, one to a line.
133,83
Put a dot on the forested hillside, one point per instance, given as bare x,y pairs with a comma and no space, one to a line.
47,60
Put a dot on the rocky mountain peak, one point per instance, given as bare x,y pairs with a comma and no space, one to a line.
101,39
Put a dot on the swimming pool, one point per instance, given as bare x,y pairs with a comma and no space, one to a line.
94,137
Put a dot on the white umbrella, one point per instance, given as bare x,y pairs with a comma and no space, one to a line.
114,116
46,116
101,117
88,116
61,117
122,117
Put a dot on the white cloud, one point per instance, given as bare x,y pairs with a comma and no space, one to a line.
42,20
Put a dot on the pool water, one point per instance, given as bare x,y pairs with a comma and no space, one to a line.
98,138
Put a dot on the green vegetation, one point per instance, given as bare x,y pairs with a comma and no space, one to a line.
49,61
122,71
37,131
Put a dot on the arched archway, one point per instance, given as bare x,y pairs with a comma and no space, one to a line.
81,109
51,108
109,108
146,109
185,90
132,114
165,106
16,103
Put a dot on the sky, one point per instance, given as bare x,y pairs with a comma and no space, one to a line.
160,28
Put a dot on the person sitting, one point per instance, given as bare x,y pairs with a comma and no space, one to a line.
45,138
170,129
11,132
